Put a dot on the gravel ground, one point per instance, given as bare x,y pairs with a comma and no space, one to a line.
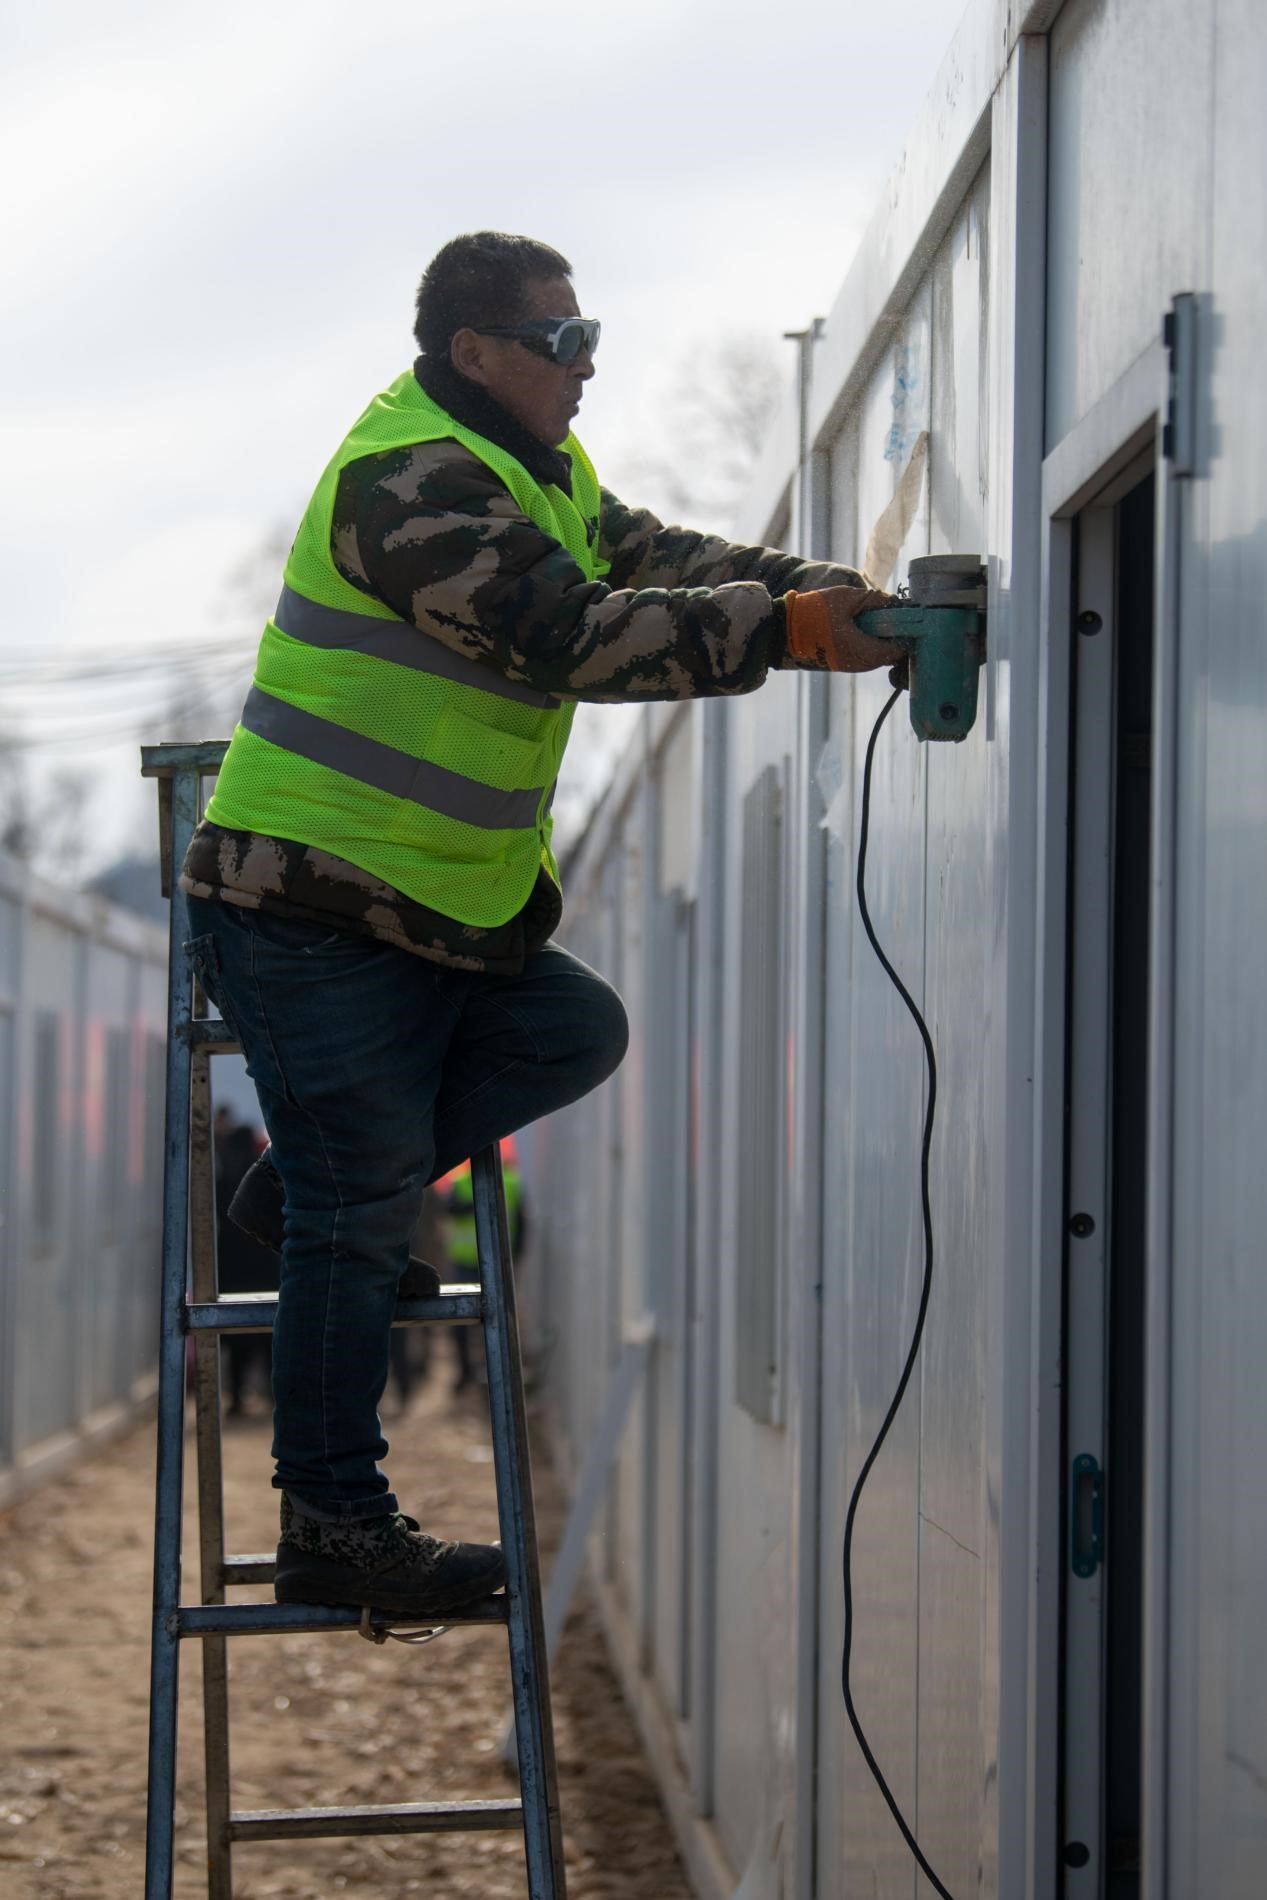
316,1719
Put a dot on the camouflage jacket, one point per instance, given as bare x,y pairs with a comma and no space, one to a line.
432,532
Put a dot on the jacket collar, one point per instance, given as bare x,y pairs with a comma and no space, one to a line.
468,404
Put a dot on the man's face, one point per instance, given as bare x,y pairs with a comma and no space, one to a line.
538,392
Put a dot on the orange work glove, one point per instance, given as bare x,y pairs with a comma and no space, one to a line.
822,632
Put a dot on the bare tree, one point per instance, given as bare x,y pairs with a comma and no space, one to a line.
46,825
15,801
76,703
709,429
63,823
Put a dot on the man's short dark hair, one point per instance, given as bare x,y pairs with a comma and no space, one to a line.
481,278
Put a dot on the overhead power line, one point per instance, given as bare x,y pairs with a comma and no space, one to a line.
126,664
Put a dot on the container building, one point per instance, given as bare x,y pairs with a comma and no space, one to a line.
83,1008
1048,351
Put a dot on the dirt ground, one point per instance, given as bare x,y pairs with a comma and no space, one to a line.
316,1719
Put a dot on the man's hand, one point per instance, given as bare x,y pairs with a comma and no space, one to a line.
822,630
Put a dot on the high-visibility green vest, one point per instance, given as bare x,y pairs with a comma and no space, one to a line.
377,742
463,1245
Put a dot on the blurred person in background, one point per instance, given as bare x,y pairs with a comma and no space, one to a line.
373,895
458,1192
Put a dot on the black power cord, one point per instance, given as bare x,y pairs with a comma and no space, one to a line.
913,1354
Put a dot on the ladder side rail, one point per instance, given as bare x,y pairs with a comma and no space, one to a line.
207,1427
180,795
529,1665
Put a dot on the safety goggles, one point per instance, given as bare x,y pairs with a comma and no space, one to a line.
560,339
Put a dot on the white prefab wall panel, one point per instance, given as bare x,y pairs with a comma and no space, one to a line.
1129,196
670,1293
893,415
960,392
871,1275
627,1544
1217,1798
82,1013
50,1161
920,1541
754,1714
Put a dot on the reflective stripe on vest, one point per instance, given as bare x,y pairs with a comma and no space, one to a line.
395,640
398,773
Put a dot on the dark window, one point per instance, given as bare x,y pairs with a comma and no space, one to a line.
115,1142
761,1117
155,1087
45,1200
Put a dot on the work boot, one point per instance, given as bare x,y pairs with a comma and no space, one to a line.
383,1563
259,1209
419,1281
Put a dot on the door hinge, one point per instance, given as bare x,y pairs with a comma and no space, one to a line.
1179,433
1086,1516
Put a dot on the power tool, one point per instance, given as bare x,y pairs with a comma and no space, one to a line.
939,625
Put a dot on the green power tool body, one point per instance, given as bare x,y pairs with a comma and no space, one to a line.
939,626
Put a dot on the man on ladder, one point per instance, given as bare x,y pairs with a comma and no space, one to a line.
372,891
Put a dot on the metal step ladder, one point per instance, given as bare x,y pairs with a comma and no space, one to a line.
191,1310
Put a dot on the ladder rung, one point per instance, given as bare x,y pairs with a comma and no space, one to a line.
409,1817
182,755
243,1313
248,1569
209,1033
283,1619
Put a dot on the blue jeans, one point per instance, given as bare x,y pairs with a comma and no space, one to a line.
377,1071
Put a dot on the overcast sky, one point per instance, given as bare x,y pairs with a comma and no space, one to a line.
215,219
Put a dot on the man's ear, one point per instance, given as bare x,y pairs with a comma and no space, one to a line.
468,356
